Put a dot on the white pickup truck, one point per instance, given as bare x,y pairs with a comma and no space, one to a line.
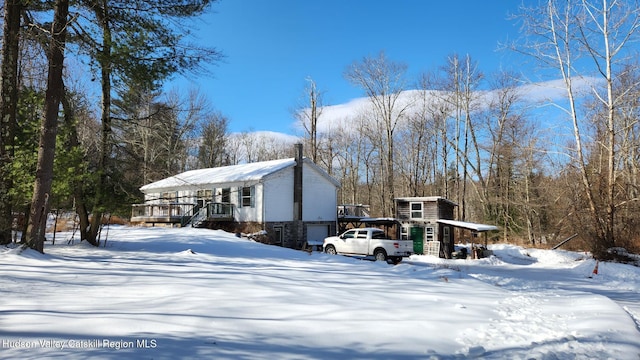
368,242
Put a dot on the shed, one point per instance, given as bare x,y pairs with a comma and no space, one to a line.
428,221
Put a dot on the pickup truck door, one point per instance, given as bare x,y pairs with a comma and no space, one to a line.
346,243
361,243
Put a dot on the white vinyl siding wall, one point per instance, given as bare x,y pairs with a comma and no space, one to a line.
319,197
278,196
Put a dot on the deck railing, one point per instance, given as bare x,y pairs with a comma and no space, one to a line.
165,210
180,212
351,210
219,210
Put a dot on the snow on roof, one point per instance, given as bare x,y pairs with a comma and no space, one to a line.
379,220
226,174
469,225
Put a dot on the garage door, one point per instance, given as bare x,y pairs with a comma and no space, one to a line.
317,233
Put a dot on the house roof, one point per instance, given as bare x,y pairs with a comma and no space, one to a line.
427,199
468,225
226,174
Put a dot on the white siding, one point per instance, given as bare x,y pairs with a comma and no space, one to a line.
151,198
319,197
247,213
278,196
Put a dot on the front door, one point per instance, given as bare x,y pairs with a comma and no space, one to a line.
203,197
416,234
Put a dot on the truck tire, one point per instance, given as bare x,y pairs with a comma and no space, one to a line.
330,249
380,255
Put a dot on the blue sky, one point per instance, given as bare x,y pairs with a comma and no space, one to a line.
271,47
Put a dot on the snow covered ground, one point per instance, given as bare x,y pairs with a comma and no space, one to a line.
155,293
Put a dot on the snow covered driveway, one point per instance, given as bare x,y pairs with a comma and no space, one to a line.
563,282
191,293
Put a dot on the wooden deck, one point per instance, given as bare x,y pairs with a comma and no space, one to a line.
181,214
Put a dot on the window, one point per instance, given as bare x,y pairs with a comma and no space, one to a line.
430,233
362,234
247,195
416,210
278,232
169,197
404,233
378,235
204,194
349,234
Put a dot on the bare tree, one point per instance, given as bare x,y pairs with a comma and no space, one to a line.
346,148
507,130
308,116
458,84
213,137
254,146
603,31
182,116
435,103
235,148
418,147
629,156
383,82
156,136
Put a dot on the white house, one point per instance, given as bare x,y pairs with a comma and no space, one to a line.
293,200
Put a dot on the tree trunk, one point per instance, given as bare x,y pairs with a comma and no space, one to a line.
78,193
609,240
313,119
44,172
105,151
9,99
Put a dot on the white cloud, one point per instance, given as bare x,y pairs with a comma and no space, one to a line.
556,91
267,135
342,116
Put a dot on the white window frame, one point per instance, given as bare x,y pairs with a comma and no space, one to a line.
404,233
412,211
429,233
250,197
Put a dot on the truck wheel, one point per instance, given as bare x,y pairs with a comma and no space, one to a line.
330,249
380,255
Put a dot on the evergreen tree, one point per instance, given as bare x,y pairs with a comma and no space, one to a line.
141,42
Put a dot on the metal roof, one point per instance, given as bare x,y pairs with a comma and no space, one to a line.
229,174
468,225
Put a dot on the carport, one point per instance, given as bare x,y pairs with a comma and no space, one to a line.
475,228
